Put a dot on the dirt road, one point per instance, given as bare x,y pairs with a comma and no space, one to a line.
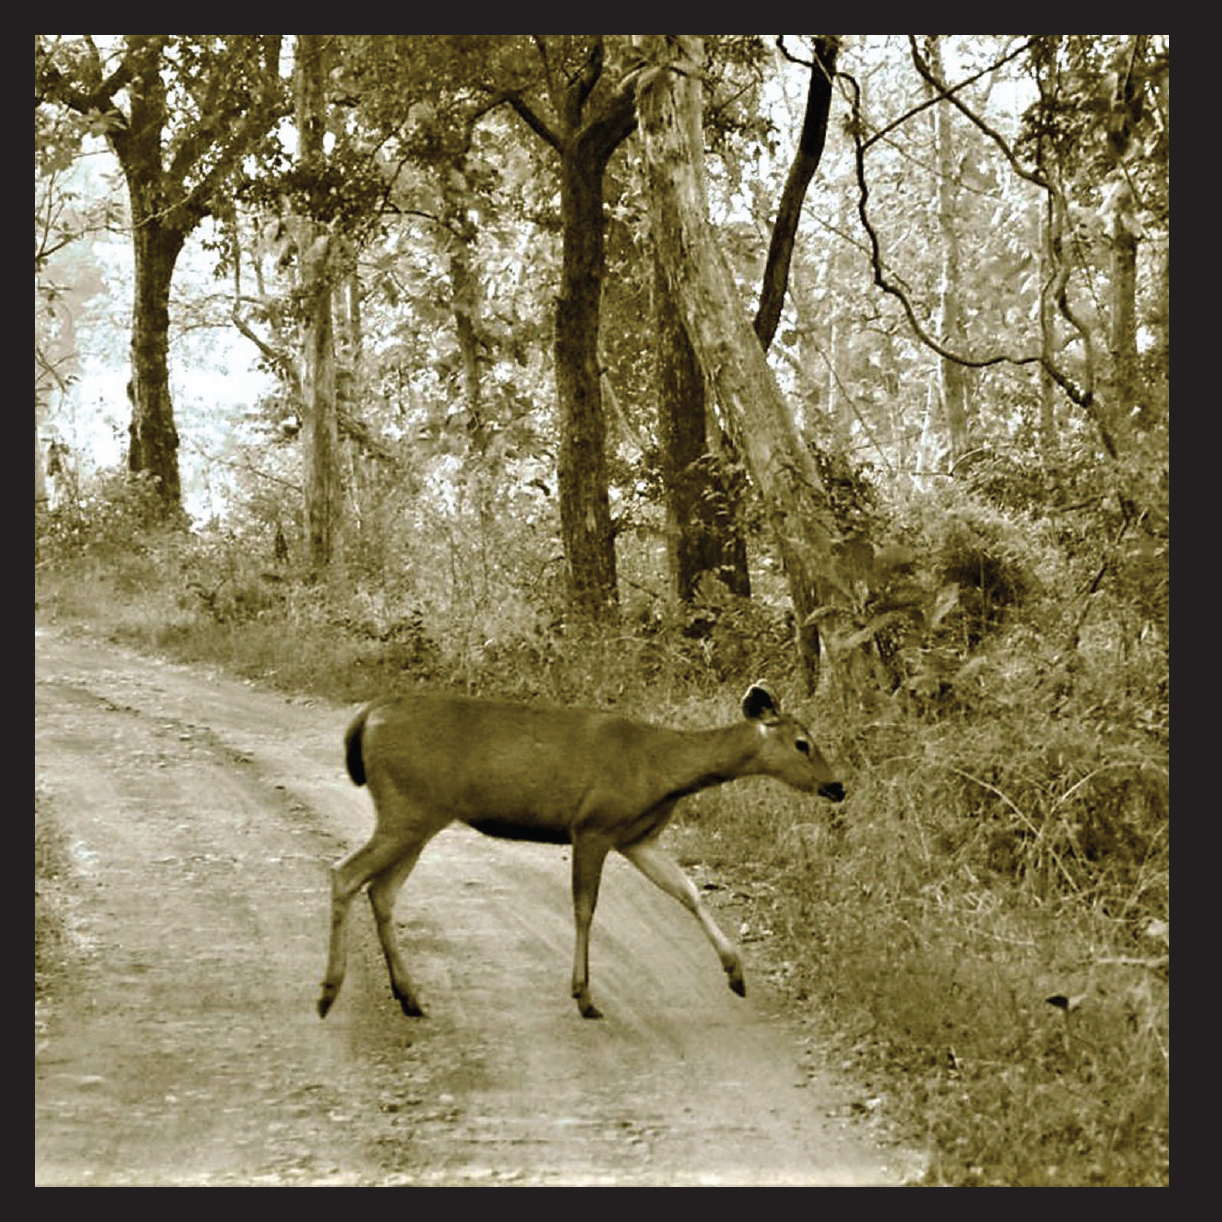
179,1043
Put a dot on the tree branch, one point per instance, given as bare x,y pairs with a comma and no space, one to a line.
533,120
942,90
801,171
1076,394
1058,286
947,92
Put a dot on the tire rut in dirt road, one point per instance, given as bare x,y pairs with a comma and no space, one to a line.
181,1045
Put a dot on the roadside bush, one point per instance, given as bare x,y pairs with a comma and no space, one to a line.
105,521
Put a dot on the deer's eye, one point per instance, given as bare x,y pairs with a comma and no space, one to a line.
803,746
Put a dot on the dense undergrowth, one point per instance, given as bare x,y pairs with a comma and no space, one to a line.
984,923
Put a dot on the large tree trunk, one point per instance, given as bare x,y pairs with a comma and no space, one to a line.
152,437
722,336
702,522
323,489
157,242
701,531
585,508
584,132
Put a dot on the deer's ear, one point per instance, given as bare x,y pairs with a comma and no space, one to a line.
759,703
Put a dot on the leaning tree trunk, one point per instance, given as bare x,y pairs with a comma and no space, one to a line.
703,524
722,335
802,169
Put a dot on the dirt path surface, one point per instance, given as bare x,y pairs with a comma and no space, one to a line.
179,1044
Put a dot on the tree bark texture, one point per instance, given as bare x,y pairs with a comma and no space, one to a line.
701,531
585,508
152,436
323,490
158,234
724,340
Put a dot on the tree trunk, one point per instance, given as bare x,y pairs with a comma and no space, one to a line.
323,491
1127,106
238,85
952,384
156,244
460,235
701,530
789,212
153,439
1124,311
584,133
40,470
722,336
585,508
1050,438
323,495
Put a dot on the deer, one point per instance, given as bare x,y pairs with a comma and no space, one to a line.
593,780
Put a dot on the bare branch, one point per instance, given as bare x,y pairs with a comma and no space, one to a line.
942,90
1076,394
946,91
876,258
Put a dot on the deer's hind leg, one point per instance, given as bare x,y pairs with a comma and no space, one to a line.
383,891
589,854
347,878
